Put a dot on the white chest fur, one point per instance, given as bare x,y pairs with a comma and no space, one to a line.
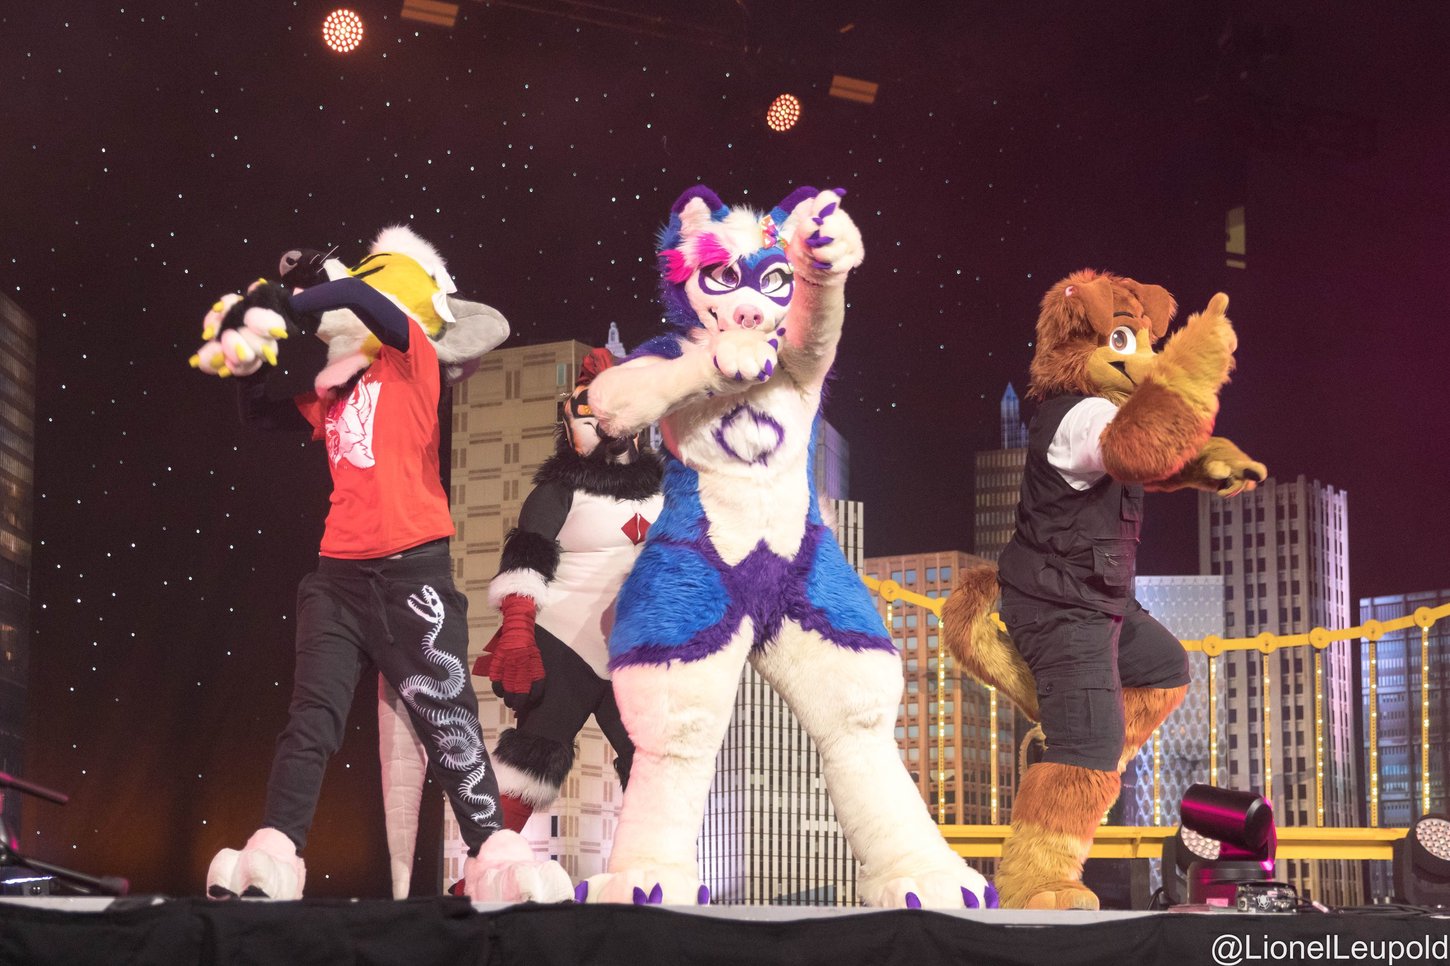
751,451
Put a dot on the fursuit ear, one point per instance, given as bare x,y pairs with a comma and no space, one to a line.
708,198
696,208
784,214
1093,300
1159,306
476,329
782,211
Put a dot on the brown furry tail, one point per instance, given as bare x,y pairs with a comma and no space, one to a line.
972,636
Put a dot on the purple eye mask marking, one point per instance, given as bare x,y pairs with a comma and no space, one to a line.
751,276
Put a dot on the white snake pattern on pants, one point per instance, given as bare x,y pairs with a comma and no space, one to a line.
460,736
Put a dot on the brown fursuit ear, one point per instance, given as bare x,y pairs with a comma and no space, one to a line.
1157,304
1079,305
1064,338
1094,301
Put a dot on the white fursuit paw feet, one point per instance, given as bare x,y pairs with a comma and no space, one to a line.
505,870
745,355
267,867
645,886
959,888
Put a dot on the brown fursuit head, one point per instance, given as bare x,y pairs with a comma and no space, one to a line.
1076,315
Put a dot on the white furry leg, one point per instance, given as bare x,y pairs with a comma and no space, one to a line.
676,715
847,700
405,767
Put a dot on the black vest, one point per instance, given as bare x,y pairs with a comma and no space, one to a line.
1071,546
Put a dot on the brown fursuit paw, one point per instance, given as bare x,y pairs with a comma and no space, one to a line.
1064,894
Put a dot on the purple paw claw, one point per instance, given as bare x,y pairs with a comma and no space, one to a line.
769,367
993,901
817,263
774,344
817,240
656,895
780,331
640,898
969,899
703,896
829,210
581,891
839,192
913,901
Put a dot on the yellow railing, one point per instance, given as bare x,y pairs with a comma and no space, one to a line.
1212,646
1146,842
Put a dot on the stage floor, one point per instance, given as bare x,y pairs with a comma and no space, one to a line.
157,930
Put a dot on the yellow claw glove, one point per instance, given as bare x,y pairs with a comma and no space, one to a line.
240,333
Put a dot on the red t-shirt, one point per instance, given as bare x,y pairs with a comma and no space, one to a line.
382,446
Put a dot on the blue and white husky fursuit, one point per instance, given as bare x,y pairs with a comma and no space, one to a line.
739,565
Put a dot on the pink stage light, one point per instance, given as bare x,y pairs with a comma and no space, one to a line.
342,30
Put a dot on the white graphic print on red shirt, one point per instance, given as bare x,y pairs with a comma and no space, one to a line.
350,425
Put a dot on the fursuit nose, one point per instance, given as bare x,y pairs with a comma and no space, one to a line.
748,317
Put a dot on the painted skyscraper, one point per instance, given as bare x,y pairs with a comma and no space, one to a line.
1190,607
1283,553
999,482
1411,721
17,475
962,759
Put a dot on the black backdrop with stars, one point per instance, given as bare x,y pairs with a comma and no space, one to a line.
158,154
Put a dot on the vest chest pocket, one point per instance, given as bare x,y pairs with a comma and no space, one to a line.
1132,505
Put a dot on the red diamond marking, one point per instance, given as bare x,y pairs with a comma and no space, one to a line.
635,529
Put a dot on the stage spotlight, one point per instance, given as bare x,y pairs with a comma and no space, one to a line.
1422,863
1226,838
342,30
783,112
1179,853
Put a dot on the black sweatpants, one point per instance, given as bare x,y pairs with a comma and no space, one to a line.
403,615
1082,659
